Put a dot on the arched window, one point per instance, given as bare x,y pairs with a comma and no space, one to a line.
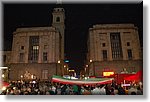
58,19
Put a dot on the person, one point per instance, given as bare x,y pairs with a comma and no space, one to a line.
67,90
132,91
116,90
75,89
86,91
79,90
108,89
63,89
112,91
102,90
58,90
121,90
54,89
96,91
139,92
51,91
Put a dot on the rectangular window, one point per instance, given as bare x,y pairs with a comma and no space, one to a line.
128,43
129,53
58,19
45,46
44,56
103,44
22,47
116,46
4,58
44,74
33,49
21,57
104,54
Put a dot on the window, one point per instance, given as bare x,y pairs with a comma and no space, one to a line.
45,74
128,43
116,46
58,19
103,44
22,47
33,48
104,54
4,58
129,53
21,57
45,46
44,56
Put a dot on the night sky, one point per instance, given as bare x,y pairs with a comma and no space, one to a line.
79,18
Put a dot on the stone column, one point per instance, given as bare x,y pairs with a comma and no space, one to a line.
40,48
50,47
109,47
123,46
27,48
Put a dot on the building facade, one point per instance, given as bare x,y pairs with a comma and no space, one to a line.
113,47
38,52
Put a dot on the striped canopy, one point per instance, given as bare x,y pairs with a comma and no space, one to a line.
90,81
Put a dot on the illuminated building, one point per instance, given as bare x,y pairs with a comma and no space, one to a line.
113,48
37,50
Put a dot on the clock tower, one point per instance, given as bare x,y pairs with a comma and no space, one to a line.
59,23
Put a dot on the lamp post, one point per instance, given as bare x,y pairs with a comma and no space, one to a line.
4,73
58,62
87,70
65,69
94,68
91,61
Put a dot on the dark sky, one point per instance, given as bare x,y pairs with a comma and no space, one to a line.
79,17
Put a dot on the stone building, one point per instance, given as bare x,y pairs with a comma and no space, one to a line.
37,51
113,48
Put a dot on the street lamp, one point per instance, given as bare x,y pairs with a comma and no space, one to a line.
93,66
3,75
58,61
32,76
85,69
91,60
21,76
67,70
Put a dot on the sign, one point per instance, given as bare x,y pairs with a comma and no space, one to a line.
66,61
125,84
108,73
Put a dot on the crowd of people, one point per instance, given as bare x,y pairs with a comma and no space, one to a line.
49,88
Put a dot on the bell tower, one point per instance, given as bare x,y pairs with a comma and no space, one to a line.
59,23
